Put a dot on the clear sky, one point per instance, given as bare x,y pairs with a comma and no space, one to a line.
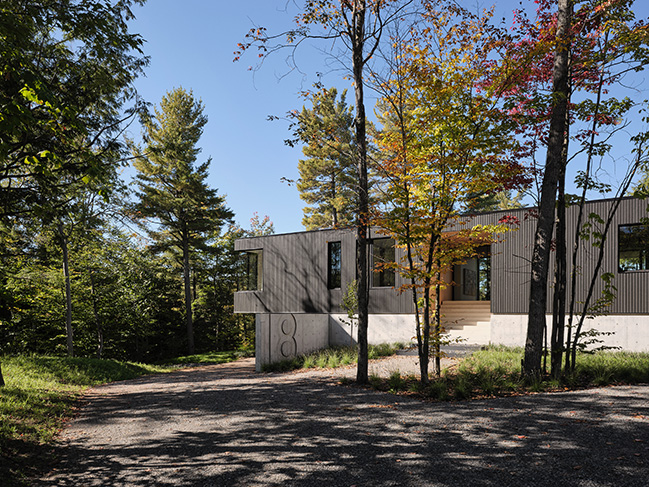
191,44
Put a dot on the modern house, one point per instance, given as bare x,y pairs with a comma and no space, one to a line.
295,284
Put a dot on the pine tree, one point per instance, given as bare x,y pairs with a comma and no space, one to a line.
178,209
327,175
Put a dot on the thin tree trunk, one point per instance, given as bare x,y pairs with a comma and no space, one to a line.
188,299
559,300
438,324
358,41
100,330
68,291
600,256
334,210
545,224
2,379
580,216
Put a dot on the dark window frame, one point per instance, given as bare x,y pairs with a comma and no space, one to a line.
640,248
334,265
384,277
252,278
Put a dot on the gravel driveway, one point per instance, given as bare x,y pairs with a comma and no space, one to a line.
224,425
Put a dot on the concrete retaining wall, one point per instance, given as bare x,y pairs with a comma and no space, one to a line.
630,333
282,336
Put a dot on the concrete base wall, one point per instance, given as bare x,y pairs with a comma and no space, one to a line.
630,333
381,329
282,336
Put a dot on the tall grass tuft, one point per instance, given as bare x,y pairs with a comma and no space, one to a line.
331,358
496,371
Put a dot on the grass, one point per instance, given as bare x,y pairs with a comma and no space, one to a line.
209,358
331,357
41,394
496,371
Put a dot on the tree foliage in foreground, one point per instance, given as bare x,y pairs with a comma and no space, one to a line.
66,79
571,62
446,140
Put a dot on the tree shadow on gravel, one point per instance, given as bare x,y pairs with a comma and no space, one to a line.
292,430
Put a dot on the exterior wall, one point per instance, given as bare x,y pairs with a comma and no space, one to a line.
295,276
510,260
381,329
296,313
285,335
282,336
630,333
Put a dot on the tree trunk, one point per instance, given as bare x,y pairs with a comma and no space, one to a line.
559,300
95,313
2,379
545,224
188,299
68,291
358,41
577,236
438,324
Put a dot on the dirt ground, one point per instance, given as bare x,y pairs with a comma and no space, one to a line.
225,425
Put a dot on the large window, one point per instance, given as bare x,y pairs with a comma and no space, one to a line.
334,265
484,278
633,247
252,276
382,253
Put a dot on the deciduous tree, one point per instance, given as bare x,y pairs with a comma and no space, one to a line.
359,26
447,141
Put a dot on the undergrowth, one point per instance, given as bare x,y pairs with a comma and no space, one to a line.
496,371
331,357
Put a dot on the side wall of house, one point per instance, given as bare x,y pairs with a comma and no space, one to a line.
510,261
295,276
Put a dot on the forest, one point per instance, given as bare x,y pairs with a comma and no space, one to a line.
93,265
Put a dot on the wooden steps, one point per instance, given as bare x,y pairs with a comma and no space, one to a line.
458,314
467,321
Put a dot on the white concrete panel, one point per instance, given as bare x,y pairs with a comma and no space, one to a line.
283,336
479,334
381,329
630,333
510,330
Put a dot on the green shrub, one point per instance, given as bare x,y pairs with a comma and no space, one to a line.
396,382
331,357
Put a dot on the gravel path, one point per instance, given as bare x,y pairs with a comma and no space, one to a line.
224,425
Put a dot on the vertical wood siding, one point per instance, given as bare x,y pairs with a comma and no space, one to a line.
511,261
295,276
295,268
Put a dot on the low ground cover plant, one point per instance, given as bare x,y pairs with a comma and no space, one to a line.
331,357
496,371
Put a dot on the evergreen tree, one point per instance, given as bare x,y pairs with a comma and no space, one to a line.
176,206
327,175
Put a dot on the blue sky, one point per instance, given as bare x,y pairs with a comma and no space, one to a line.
191,44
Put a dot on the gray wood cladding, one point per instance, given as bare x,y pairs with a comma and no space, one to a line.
295,276
295,267
510,264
